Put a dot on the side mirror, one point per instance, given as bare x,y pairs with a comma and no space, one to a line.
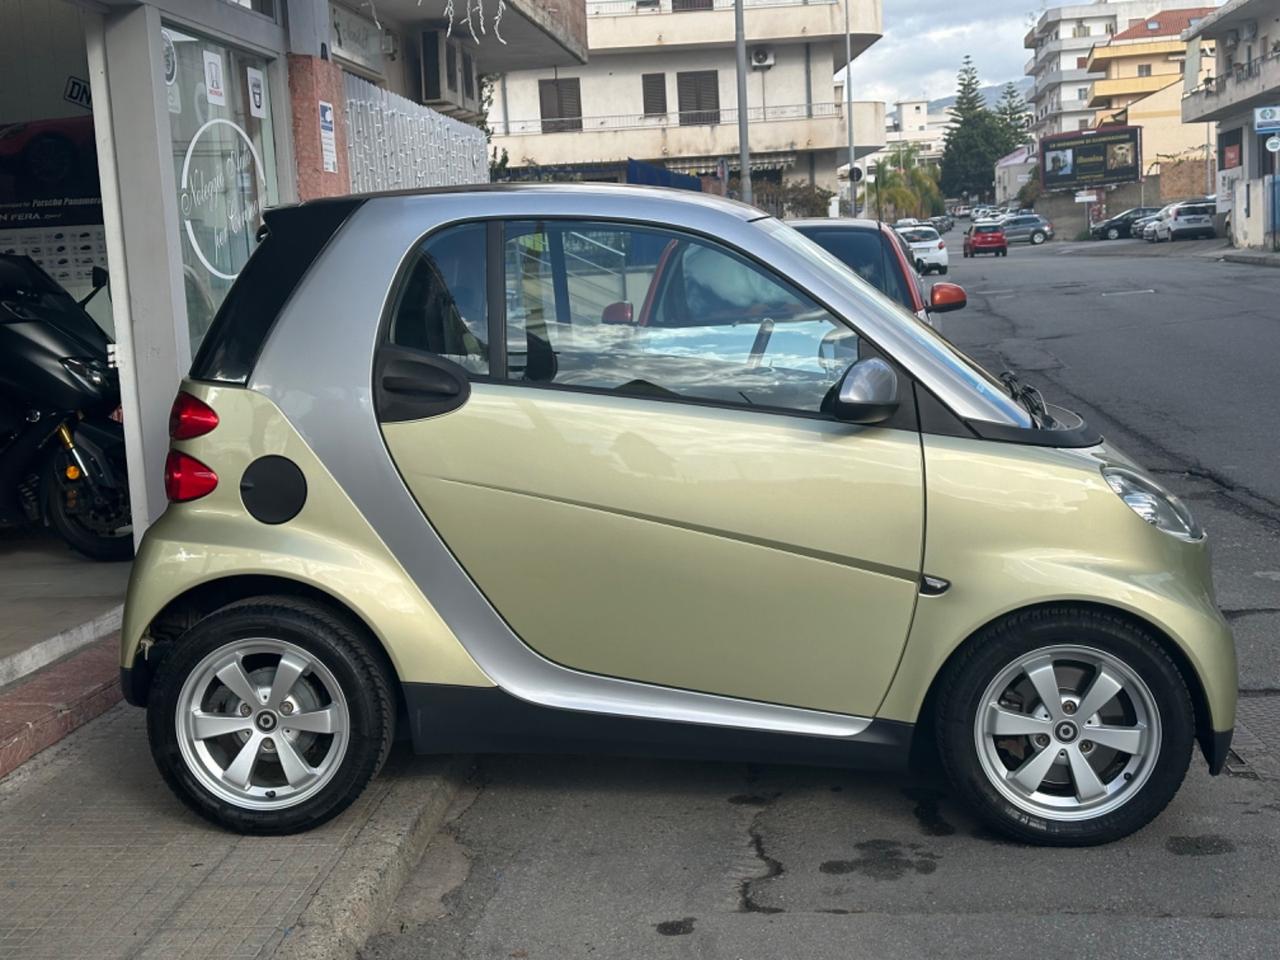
619,313
945,297
99,277
868,393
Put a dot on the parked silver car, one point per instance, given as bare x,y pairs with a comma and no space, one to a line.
1186,221
1027,227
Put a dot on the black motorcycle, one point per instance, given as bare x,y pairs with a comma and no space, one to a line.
62,459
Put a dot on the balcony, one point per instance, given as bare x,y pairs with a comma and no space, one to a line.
1101,91
535,33
1055,78
1247,85
704,133
619,26
1080,45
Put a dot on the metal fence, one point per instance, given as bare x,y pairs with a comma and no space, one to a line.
622,8
396,144
691,118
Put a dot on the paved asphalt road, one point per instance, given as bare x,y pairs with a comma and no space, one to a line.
1174,356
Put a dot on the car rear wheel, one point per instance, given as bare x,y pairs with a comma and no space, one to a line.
1065,727
270,716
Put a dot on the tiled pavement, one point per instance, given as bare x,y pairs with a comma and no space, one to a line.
98,860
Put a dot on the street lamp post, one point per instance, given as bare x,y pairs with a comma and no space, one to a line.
848,107
744,147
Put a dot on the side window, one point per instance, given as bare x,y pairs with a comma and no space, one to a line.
442,306
649,312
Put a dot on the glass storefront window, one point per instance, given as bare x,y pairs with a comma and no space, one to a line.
224,163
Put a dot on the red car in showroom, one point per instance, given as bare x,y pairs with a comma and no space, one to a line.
985,238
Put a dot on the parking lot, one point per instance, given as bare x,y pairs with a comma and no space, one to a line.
1172,354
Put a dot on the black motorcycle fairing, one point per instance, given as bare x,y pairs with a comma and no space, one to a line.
40,326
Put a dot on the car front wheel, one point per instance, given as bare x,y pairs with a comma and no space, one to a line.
1113,234
1037,238
1065,727
270,716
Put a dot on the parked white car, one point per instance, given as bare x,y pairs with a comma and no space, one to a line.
1186,221
928,249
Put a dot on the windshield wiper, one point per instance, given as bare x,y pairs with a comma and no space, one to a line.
1030,398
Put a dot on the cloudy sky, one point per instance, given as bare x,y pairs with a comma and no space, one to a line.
925,40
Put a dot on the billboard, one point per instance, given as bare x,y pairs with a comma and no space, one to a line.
1091,158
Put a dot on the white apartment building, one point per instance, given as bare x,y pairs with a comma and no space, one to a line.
911,125
660,85
1060,40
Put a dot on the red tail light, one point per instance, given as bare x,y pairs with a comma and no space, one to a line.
186,478
190,418
942,244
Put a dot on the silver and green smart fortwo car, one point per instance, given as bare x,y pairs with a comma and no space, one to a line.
578,467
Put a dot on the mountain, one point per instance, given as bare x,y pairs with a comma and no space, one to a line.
990,94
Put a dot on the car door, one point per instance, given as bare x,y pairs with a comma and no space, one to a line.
640,477
1017,228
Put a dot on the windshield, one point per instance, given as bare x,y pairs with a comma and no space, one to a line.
918,235
987,228
924,336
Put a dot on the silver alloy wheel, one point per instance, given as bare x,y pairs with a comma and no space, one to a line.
1067,732
262,724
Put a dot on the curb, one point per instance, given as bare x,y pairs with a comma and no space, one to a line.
40,710
18,665
1253,259
354,900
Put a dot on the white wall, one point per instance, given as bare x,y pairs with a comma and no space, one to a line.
610,83
1251,224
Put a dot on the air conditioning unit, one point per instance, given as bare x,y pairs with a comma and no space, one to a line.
449,80
761,58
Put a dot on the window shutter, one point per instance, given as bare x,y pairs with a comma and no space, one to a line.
699,94
560,103
654,86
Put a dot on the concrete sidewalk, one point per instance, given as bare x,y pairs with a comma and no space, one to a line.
98,860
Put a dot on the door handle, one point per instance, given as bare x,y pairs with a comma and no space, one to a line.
413,384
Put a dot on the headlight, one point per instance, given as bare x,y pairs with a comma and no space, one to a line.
92,372
1152,503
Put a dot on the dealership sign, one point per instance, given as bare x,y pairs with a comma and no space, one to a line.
1266,120
1078,161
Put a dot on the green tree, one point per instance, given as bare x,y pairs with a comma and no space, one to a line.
904,187
975,140
1014,116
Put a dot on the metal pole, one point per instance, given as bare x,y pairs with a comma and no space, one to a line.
1208,153
744,146
848,108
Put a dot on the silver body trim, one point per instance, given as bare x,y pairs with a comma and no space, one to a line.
317,368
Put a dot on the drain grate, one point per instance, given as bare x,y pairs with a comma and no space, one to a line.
1257,738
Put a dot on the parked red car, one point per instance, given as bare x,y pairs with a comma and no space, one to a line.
985,238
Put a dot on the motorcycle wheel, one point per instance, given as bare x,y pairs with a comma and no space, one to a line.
81,537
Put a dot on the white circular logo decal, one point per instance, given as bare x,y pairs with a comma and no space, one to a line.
217,193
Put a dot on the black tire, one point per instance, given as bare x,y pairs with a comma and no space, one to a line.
1038,238
366,683
90,543
1113,233
1017,635
942,271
